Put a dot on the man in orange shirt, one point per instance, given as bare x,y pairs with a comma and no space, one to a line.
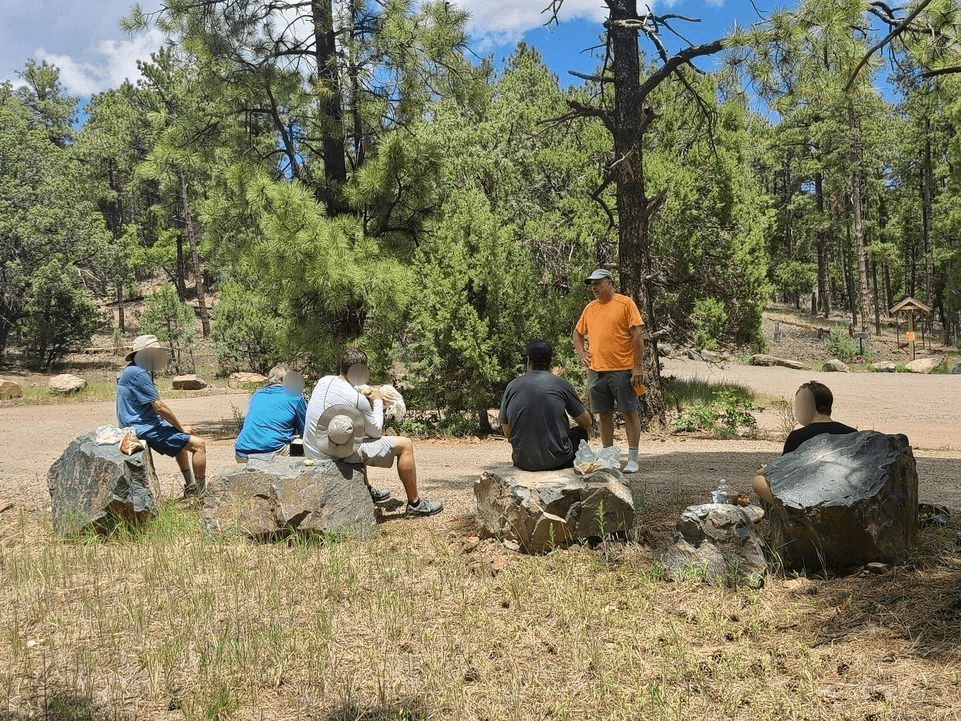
614,330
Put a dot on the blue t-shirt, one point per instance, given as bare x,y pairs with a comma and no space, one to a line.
136,393
273,419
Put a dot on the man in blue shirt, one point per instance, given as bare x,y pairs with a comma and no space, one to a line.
534,413
275,417
139,407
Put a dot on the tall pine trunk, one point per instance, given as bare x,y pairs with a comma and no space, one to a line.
859,249
196,267
823,249
331,110
632,116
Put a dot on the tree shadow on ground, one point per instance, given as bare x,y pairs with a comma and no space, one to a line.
919,602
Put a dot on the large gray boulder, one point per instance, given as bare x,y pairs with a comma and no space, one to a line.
66,383
884,367
844,501
835,365
716,542
538,510
96,486
188,382
923,365
270,498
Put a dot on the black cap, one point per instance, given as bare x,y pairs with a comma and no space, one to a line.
538,350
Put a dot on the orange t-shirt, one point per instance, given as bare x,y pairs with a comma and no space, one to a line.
607,326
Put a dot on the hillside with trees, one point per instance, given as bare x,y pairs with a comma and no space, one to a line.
351,172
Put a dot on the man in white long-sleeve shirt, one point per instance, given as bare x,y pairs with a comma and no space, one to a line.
376,449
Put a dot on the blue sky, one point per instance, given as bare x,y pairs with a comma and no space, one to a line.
83,37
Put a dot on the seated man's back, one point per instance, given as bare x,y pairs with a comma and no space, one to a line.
534,414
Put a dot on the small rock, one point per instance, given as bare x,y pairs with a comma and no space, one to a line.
693,354
10,389
242,380
718,542
879,568
709,356
835,365
957,369
763,359
923,365
66,383
189,382
884,367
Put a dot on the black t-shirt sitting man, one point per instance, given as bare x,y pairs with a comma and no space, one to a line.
812,409
534,413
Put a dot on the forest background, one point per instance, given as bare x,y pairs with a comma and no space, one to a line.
291,177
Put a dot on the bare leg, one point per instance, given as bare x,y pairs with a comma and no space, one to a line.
762,488
406,469
632,426
198,447
607,428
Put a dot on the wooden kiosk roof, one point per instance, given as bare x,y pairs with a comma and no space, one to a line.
910,304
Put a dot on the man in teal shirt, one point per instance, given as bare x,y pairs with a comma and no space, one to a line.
275,417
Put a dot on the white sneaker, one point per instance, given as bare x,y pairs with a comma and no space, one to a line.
631,467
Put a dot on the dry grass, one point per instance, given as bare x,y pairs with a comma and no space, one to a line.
168,624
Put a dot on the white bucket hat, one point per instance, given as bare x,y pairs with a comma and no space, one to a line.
340,431
145,342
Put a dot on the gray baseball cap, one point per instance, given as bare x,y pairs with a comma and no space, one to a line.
599,274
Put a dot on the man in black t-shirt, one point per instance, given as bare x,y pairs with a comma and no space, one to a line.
812,409
534,413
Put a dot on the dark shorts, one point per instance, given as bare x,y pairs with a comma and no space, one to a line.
610,388
165,439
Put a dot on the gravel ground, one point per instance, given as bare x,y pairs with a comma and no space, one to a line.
673,469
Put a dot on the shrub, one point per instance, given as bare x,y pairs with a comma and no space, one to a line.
723,416
171,320
59,315
247,335
841,345
709,321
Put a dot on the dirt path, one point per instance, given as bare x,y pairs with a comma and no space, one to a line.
673,470
926,408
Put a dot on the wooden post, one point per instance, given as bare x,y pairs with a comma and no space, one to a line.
911,331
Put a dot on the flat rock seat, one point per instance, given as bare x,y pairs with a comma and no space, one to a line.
95,486
539,510
270,498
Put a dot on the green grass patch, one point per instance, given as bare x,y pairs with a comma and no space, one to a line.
719,410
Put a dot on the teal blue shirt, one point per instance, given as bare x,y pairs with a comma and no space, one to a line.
273,419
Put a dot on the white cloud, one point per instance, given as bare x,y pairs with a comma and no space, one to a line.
505,21
114,62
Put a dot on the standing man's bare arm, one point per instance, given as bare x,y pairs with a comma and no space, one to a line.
637,337
582,355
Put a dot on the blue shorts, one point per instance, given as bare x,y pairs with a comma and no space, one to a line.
607,388
164,438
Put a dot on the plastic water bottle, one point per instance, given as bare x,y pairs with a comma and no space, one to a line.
721,494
